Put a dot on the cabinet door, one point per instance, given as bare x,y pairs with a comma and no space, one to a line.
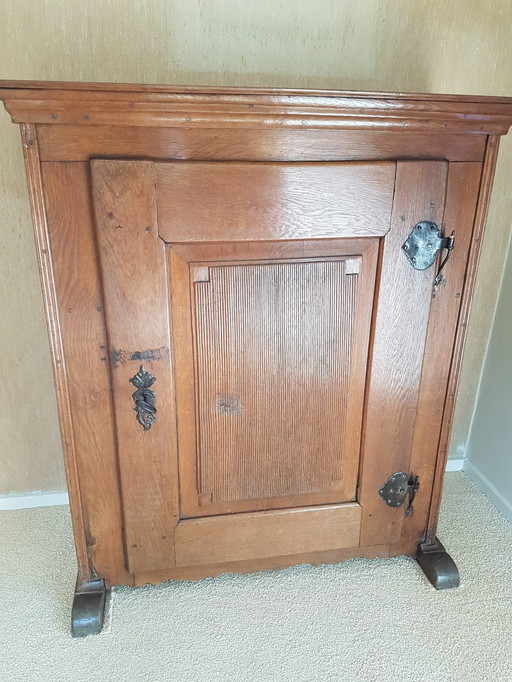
268,315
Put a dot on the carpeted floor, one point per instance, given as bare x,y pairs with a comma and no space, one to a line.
360,621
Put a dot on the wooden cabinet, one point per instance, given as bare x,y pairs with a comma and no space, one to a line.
256,344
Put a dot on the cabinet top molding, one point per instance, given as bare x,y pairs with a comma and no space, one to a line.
106,104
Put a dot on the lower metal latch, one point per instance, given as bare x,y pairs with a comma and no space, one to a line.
398,488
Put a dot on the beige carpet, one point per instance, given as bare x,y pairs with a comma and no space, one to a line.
360,621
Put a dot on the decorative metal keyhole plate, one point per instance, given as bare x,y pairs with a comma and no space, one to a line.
144,398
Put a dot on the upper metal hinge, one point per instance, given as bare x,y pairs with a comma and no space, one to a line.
398,488
422,245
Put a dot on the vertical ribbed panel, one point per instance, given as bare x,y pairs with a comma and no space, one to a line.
273,347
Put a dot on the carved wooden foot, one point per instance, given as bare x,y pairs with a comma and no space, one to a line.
438,565
88,608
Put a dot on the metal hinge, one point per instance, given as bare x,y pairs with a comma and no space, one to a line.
422,245
398,488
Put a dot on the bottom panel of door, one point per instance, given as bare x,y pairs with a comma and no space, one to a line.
240,537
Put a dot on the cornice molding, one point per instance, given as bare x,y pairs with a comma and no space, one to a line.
102,104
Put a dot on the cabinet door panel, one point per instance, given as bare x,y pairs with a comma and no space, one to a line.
205,202
239,537
271,380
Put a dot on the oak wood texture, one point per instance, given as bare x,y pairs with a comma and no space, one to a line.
332,556
120,490
205,202
482,207
398,346
89,442
135,286
461,198
238,537
79,143
46,261
270,366
196,107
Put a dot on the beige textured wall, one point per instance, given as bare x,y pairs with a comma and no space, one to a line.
491,432
461,46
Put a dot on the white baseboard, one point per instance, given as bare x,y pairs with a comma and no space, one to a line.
455,464
488,489
32,500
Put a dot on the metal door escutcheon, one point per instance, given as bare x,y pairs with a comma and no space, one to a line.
144,398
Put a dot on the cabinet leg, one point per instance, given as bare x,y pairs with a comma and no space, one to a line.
88,608
438,565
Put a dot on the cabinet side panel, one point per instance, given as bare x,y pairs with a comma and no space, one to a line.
82,369
43,249
484,194
461,198
400,329
134,275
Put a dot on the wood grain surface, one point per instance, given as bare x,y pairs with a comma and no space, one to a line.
461,198
270,381
273,369
213,275
87,415
331,556
239,537
398,346
227,108
482,207
48,263
134,277
208,202
79,143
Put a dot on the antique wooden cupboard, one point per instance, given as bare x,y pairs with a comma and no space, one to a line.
256,344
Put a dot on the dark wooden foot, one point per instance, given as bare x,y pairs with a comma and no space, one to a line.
438,565
88,608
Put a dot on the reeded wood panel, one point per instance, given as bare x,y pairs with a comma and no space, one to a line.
262,201
278,364
273,371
